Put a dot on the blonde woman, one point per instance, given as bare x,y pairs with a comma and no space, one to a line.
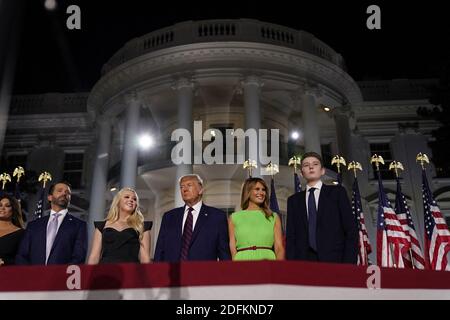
123,236
255,231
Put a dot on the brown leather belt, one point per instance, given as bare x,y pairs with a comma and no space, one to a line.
253,248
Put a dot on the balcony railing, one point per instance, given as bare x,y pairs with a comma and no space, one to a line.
49,103
223,30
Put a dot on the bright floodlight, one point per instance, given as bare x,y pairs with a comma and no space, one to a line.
50,5
295,135
145,141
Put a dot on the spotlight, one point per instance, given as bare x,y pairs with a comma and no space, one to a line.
295,135
145,141
50,5
113,189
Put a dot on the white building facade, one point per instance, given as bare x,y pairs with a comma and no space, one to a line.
228,74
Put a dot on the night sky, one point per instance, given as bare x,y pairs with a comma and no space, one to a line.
412,43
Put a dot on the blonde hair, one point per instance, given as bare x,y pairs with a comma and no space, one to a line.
135,220
192,176
247,188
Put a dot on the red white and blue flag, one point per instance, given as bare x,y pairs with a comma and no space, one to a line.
364,247
392,242
414,258
437,235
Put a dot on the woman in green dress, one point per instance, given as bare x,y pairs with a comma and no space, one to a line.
255,231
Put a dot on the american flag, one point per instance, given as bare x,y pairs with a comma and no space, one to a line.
405,218
40,205
391,239
273,198
364,247
274,202
297,184
437,235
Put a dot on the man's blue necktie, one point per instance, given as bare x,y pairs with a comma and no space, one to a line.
312,219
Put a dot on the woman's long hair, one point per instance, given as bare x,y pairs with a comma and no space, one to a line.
247,188
16,217
135,220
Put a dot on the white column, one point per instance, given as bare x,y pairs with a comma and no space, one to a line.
130,142
309,116
100,173
341,117
185,94
252,90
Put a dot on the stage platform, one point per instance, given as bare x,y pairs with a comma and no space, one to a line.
262,280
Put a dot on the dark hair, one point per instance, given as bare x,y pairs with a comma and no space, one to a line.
247,188
16,217
314,155
52,186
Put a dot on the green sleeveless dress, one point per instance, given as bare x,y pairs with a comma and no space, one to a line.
251,228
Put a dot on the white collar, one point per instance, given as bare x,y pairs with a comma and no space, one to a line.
196,207
318,186
63,212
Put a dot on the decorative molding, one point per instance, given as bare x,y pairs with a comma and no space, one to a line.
182,83
285,63
65,120
252,80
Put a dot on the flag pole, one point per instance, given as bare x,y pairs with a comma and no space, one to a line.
19,172
4,178
354,165
44,176
338,161
250,165
272,168
423,159
395,166
294,162
377,160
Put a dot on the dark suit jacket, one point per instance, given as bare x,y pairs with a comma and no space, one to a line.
336,235
69,247
209,240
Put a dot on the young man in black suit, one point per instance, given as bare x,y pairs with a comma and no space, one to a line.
320,223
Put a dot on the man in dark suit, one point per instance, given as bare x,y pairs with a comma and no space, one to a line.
320,223
58,238
194,231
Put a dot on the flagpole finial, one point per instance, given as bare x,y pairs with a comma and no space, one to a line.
354,165
45,176
338,161
250,165
294,162
4,178
396,165
422,158
272,169
377,160
19,172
